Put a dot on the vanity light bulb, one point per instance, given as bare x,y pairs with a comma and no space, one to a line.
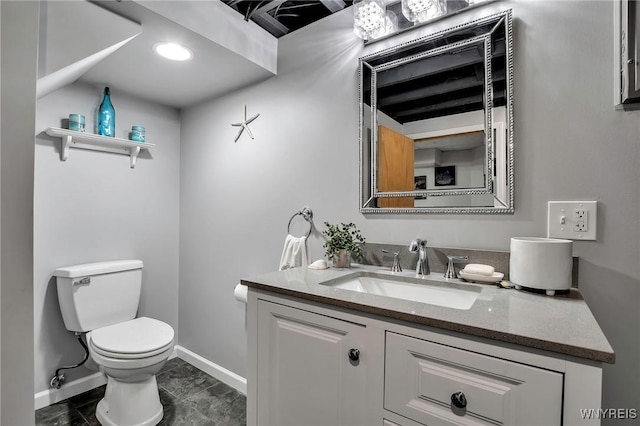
369,18
390,26
423,10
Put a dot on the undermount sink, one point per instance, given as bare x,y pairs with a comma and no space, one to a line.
449,295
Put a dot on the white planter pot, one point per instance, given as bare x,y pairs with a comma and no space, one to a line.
342,259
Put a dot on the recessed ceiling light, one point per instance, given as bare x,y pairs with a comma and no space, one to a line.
173,51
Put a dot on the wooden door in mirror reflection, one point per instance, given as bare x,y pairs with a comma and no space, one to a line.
395,167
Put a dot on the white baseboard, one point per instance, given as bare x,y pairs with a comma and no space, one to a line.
76,387
92,381
227,377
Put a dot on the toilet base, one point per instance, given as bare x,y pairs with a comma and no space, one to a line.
130,403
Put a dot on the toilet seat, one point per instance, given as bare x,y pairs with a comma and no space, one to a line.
134,339
130,354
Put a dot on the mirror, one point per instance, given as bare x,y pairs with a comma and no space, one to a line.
436,126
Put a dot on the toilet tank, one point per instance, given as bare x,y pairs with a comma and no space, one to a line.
95,295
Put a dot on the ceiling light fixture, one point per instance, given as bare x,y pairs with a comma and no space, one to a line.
371,20
173,51
390,25
418,11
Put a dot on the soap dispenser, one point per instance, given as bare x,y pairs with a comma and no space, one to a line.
106,115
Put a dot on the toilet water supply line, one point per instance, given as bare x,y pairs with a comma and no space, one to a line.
59,378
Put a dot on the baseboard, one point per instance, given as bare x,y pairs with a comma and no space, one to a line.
227,377
92,381
76,387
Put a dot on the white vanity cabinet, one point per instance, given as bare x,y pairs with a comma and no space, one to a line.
309,368
300,373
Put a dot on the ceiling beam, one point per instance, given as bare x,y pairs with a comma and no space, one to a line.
417,93
433,65
266,8
333,5
472,103
270,24
450,103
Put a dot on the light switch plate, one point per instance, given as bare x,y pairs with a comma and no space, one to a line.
572,220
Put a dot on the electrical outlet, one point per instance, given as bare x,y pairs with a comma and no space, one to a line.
573,220
581,220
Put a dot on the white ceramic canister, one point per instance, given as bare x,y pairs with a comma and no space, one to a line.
541,263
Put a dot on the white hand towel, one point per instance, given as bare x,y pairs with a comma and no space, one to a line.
294,252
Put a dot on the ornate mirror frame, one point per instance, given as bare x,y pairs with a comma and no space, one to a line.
369,68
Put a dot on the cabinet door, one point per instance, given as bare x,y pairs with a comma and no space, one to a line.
305,375
421,377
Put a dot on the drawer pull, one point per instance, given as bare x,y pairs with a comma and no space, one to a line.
354,354
459,400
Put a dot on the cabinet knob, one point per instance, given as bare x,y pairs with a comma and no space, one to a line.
459,400
354,354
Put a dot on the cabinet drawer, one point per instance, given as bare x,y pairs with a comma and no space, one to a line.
422,376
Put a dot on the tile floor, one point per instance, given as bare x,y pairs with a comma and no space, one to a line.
189,397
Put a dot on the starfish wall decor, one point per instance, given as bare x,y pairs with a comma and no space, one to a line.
244,125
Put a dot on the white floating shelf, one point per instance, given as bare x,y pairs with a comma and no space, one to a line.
73,139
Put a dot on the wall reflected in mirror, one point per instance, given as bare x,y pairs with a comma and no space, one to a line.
439,108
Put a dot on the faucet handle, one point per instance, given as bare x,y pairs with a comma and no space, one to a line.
451,270
417,243
395,267
454,258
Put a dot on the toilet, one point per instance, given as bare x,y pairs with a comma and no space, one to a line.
102,299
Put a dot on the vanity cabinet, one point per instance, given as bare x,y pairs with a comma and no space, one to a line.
302,371
310,371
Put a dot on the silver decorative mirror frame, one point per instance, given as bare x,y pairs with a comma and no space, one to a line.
369,193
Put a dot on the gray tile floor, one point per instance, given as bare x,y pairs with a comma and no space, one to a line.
188,395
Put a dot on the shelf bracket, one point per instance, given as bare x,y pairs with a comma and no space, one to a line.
133,153
64,149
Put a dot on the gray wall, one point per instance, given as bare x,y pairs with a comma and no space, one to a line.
236,198
19,66
94,207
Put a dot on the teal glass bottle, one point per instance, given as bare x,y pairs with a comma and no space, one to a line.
106,115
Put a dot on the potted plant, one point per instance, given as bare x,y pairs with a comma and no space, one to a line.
343,241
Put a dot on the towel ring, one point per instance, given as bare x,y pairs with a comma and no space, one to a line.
307,214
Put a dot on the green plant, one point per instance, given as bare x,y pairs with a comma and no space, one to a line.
343,237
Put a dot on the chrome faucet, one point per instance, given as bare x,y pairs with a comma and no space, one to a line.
420,246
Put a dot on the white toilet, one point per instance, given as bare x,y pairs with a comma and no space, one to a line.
102,299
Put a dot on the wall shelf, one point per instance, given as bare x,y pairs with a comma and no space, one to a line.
73,139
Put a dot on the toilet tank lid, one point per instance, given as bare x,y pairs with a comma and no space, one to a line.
97,268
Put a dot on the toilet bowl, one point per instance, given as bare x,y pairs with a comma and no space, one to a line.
130,354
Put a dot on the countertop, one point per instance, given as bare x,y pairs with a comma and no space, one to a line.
562,323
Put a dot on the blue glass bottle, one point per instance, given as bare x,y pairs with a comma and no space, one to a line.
106,116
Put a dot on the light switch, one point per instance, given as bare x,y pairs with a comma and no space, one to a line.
572,220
